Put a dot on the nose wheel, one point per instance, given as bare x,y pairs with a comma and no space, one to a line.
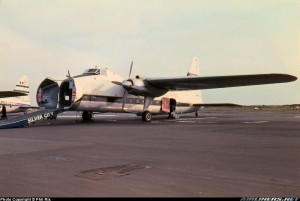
147,116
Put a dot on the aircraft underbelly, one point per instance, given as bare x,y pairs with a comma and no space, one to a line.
112,107
128,108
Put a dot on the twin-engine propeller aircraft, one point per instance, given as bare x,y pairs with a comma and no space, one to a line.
101,90
17,100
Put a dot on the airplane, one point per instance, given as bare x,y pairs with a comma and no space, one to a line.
17,100
101,90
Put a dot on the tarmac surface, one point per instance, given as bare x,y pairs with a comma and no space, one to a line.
215,155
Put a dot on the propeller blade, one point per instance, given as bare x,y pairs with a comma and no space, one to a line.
130,69
124,99
126,85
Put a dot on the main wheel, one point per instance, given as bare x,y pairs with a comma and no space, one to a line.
147,116
87,116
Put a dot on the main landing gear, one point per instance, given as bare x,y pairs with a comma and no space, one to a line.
146,116
87,116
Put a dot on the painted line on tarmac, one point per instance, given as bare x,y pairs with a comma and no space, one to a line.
255,122
108,115
187,121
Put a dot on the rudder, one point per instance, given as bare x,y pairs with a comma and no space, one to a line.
194,70
23,86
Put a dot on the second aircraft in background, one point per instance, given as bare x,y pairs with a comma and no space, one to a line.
17,100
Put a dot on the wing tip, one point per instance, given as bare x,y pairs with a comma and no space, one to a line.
289,78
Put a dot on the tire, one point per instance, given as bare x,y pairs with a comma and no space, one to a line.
147,116
87,116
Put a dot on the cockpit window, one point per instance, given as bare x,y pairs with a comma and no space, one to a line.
92,71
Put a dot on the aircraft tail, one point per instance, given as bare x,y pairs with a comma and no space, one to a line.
23,86
194,70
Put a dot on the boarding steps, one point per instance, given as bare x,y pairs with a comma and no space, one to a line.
25,120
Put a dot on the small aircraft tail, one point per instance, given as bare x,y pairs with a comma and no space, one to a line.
23,86
194,70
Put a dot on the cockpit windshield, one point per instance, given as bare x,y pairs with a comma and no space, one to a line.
92,71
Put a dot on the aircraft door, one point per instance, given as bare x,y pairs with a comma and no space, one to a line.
67,93
165,104
47,94
172,105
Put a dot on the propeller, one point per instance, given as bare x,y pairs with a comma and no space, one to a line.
127,85
130,70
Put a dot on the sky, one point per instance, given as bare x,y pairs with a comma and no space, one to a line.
49,37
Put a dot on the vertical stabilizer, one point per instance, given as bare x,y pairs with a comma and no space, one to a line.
194,68
23,86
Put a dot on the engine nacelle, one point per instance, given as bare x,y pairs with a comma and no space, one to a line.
140,87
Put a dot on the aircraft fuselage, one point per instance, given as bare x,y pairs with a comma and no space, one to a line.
98,93
13,105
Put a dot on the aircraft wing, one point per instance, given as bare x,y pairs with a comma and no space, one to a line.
196,82
7,94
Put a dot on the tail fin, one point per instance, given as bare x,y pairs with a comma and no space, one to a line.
23,86
194,68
